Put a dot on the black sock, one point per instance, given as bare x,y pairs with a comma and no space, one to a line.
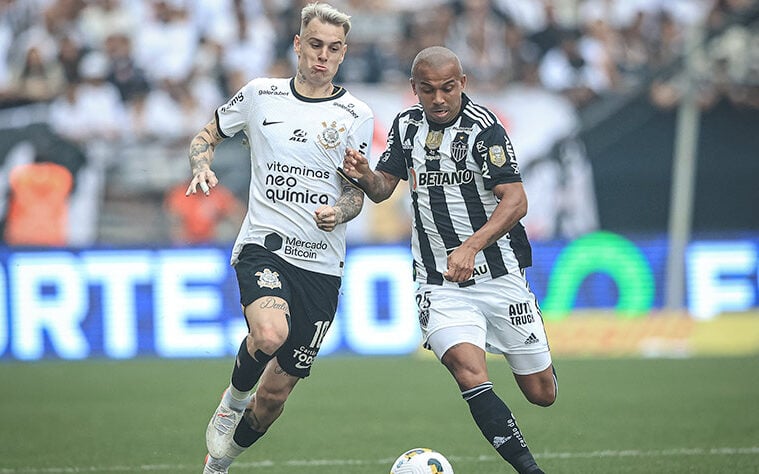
244,435
498,426
248,369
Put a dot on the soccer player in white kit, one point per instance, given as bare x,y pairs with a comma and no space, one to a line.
290,250
469,248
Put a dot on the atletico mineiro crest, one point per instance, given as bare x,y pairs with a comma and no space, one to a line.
268,279
459,146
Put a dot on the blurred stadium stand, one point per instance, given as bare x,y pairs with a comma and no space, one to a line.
114,89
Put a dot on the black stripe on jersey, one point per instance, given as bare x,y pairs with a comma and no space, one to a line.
477,215
521,245
441,215
434,277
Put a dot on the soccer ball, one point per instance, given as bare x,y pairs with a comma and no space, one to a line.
421,461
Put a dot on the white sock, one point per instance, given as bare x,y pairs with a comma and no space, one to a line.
225,461
236,399
234,450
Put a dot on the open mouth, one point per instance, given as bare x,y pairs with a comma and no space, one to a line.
440,113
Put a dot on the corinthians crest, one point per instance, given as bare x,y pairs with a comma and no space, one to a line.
268,279
330,136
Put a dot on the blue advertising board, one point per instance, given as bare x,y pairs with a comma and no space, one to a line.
183,302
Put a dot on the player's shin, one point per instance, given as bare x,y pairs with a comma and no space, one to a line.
244,437
245,374
497,424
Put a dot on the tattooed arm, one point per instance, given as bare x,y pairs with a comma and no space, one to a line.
201,156
347,206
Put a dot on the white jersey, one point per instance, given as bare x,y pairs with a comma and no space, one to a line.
452,169
296,144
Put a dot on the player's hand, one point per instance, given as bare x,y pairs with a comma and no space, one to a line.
355,164
326,218
460,265
206,179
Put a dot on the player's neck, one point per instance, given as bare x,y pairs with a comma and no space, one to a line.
313,91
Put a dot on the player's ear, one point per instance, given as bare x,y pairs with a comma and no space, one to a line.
413,85
463,81
296,44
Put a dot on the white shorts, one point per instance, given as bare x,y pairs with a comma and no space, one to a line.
501,316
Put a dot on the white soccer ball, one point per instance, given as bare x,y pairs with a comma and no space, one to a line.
421,461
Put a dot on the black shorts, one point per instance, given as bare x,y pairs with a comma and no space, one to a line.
311,297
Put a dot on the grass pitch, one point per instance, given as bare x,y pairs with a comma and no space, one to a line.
356,415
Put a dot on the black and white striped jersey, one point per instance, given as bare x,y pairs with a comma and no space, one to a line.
451,170
296,144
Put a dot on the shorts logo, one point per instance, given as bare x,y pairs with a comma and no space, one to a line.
330,136
423,303
497,155
521,313
304,357
268,279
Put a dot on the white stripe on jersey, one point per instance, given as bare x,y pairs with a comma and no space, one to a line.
296,144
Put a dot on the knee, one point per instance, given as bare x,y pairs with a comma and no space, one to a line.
544,397
467,376
266,337
468,369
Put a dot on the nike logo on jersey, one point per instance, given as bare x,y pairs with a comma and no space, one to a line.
266,122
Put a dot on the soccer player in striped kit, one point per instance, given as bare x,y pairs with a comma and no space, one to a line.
469,248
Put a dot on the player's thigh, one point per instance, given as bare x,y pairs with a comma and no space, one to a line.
312,312
267,319
447,317
466,362
514,323
266,290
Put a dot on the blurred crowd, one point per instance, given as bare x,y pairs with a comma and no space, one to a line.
136,57
147,74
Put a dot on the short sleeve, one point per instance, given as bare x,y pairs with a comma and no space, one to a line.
233,116
494,153
392,160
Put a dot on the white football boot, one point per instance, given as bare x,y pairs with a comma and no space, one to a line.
221,429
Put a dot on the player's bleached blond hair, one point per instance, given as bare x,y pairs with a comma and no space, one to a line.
325,13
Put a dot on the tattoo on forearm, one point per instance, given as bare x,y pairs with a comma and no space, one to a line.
349,204
202,146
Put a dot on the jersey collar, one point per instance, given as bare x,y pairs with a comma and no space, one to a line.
337,92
